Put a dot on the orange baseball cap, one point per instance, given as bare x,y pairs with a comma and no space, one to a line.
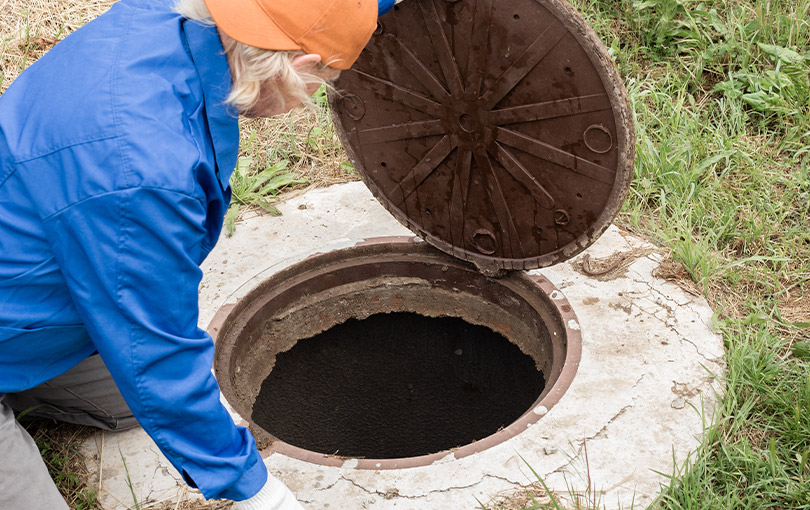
337,30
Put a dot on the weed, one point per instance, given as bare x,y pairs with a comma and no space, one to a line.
719,90
58,444
305,139
129,481
720,94
538,496
251,188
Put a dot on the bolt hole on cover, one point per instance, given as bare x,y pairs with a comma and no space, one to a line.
491,125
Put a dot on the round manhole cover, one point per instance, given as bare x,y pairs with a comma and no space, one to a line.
498,131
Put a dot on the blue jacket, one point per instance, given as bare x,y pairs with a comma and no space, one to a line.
115,154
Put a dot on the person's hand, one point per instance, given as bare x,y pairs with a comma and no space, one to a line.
273,496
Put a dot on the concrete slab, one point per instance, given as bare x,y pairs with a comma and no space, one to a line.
647,382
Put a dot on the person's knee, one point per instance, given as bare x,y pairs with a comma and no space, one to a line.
124,423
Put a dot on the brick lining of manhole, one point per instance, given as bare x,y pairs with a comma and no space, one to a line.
390,276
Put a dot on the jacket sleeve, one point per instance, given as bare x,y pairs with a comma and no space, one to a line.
131,262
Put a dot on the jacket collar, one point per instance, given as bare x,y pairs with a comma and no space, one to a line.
215,75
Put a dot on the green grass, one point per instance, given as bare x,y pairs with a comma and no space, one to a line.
59,446
283,153
129,481
721,95
538,496
251,188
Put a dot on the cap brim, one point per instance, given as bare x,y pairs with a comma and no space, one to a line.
249,24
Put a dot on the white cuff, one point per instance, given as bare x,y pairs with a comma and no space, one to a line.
273,496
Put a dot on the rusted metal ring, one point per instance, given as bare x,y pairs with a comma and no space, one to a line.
247,334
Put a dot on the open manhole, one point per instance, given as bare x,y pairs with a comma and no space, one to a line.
396,385
393,353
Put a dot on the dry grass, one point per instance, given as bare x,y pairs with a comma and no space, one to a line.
29,28
675,272
192,504
521,499
305,138
796,308
611,267
59,446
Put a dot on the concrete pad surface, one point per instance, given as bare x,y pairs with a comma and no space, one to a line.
648,379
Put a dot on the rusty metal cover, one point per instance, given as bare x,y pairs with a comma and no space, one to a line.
500,132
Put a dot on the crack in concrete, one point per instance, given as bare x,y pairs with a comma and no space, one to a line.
374,492
584,440
601,431
328,487
394,493
715,361
668,322
150,483
319,489
502,478
151,490
604,428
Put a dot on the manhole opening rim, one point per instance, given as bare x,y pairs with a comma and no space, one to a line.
228,317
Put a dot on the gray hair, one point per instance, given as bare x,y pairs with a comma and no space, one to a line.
251,67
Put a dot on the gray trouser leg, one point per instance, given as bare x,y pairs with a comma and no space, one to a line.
84,395
24,479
